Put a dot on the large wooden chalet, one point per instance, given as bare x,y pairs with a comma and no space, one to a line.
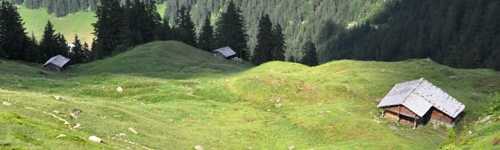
419,102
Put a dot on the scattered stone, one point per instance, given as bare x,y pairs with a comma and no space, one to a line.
6,103
122,134
95,139
119,89
470,132
133,130
59,98
278,105
75,113
76,126
198,147
60,136
292,147
56,112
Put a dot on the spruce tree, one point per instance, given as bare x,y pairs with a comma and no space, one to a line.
110,29
310,57
13,39
33,53
206,38
48,44
184,28
231,31
164,31
264,47
278,51
78,53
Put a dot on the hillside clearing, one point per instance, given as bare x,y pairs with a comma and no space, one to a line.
176,97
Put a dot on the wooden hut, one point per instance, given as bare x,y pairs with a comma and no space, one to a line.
225,52
419,102
56,63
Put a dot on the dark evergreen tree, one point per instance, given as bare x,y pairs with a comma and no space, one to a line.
110,29
142,22
310,57
231,31
264,48
206,38
78,52
184,27
278,51
48,45
164,31
33,55
13,39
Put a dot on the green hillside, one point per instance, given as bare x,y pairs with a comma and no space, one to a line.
77,23
177,97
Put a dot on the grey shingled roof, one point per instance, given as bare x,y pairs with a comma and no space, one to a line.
225,51
58,60
420,96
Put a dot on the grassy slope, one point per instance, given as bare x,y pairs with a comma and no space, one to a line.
77,23
177,97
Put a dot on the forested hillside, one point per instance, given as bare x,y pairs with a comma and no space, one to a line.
460,33
301,19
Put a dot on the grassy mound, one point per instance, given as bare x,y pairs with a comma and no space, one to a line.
176,97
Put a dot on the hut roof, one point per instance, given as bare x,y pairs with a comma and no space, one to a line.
420,96
58,60
225,51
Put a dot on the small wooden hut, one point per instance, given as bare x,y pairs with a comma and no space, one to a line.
56,63
225,52
419,102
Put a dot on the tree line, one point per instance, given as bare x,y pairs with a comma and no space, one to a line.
121,26
459,33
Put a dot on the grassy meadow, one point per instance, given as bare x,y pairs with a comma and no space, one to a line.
79,23
176,97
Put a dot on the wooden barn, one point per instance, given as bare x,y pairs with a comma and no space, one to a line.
225,52
419,102
56,63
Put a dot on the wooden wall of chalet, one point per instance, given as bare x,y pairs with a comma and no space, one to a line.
440,116
401,110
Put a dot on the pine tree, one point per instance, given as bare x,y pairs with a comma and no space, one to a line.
13,39
264,48
310,58
62,47
206,38
33,53
278,51
110,29
184,28
78,54
48,44
231,31
165,31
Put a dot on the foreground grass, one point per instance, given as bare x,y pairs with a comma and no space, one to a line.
177,97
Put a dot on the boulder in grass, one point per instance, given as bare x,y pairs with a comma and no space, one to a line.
119,89
6,104
95,139
198,147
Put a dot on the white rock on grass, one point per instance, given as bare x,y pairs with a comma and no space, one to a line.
60,136
198,147
95,139
119,89
6,103
292,147
59,98
133,130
